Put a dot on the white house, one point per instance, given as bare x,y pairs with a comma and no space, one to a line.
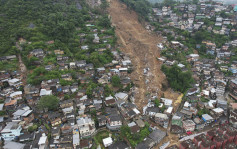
121,96
86,126
15,82
11,131
43,142
107,141
16,95
167,102
76,136
44,92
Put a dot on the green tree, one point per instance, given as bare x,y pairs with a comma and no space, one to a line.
104,22
32,128
115,80
157,102
51,102
203,111
162,109
178,80
108,91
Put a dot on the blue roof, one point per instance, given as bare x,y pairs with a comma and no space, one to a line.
235,8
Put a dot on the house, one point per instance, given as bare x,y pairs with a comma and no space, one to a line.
123,71
233,117
169,111
114,122
101,70
58,52
37,53
193,57
67,111
67,77
72,65
43,142
22,113
73,88
192,91
217,112
15,145
109,101
121,97
55,119
200,124
148,143
81,63
11,131
151,111
4,77
104,79
66,129
96,39
31,90
55,131
102,120
157,136
140,122
85,144
15,82
107,141
161,119
49,67
66,103
86,47
44,92
86,126
126,63
66,139
27,137
187,144
10,104
76,137
233,89
207,118
16,95
167,102
119,145
134,127
189,125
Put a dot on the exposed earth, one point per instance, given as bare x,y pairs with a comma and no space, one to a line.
141,46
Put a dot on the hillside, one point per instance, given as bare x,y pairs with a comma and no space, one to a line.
141,46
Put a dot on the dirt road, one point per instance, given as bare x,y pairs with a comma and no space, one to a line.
22,66
141,46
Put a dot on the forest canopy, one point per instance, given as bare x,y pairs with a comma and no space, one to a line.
178,80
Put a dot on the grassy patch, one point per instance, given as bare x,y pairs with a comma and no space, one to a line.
98,138
8,65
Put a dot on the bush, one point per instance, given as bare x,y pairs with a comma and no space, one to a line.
32,128
115,80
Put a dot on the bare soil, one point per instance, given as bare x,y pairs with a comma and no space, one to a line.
22,66
141,46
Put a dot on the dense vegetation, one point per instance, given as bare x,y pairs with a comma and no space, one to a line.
178,80
50,102
50,18
142,7
60,21
135,138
